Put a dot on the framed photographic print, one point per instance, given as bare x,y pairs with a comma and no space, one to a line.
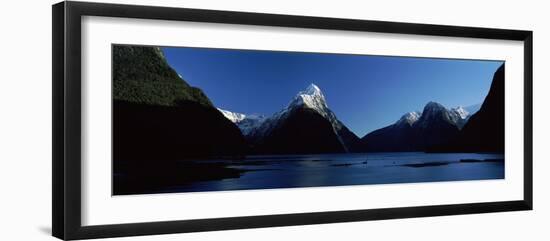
170,120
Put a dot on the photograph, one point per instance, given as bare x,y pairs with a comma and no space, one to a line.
275,120
193,119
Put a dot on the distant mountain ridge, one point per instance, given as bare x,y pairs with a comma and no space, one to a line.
475,128
416,131
246,123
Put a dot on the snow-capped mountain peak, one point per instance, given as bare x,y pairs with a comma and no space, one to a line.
247,123
314,99
433,107
312,89
409,118
432,110
435,112
460,111
311,97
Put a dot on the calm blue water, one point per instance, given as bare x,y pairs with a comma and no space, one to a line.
286,171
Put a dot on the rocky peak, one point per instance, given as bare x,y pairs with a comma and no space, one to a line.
409,118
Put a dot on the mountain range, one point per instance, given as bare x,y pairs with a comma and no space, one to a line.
417,131
157,115
307,125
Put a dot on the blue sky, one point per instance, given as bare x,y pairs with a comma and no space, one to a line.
365,92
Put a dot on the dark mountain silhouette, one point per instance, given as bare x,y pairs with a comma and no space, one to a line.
400,136
414,131
484,131
435,126
304,131
157,116
305,126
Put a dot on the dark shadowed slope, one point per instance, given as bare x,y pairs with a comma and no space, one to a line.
305,126
304,131
484,132
435,126
400,136
156,115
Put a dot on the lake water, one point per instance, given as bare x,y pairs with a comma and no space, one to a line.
287,171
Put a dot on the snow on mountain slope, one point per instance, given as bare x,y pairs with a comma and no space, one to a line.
247,123
312,98
409,118
433,110
232,116
461,112
250,123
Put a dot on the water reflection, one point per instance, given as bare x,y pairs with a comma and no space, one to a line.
353,169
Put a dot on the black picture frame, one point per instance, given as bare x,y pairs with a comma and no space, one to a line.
66,47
